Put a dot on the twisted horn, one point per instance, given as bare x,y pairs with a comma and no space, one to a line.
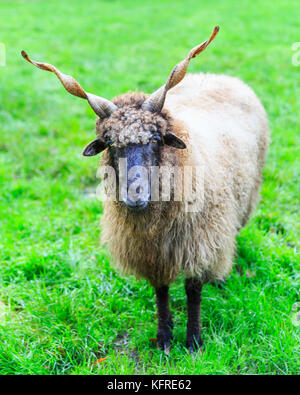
102,107
156,101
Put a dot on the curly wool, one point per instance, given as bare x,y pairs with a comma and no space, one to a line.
131,125
226,132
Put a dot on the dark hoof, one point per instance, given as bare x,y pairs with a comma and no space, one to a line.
194,345
166,349
164,339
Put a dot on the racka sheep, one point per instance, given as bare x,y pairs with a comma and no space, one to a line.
212,122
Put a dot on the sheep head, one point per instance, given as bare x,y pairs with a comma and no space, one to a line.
136,136
135,131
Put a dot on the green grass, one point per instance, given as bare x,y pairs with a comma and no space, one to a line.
62,305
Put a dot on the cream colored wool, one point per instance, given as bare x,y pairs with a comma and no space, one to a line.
226,131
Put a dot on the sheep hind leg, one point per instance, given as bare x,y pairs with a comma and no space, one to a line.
193,288
165,322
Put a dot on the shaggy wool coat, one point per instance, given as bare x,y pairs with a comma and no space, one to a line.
226,132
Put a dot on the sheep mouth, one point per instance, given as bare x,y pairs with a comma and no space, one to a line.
136,206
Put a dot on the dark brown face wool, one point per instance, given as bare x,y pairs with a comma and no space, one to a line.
129,124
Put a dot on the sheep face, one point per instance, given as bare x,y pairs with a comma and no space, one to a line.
134,139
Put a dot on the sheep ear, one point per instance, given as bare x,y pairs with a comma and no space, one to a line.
94,147
172,140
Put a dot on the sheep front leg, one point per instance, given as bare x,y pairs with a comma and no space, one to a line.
165,322
193,288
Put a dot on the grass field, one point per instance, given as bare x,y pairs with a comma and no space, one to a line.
62,305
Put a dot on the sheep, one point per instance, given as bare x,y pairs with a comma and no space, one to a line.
210,121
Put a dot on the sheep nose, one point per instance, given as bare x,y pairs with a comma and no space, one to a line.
136,205
138,193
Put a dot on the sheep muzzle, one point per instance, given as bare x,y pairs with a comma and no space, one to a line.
133,165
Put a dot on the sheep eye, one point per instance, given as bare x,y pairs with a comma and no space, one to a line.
156,139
